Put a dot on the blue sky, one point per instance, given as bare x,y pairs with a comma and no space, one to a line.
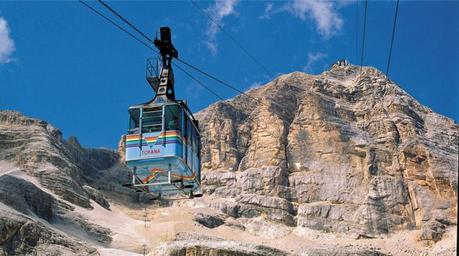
61,63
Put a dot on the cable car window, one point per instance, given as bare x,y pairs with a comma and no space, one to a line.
172,115
195,141
189,142
134,117
152,120
185,137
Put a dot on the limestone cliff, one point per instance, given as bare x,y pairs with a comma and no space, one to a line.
342,151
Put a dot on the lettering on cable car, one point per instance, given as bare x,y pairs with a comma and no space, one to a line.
151,151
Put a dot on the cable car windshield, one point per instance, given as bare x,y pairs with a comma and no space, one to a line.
172,115
134,121
152,119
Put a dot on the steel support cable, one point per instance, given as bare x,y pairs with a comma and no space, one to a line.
141,33
210,90
203,85
154,50
149,47
266,70
224,83
199,82
180,60
357,31
210,76
125,20
115,24
392,39
363,38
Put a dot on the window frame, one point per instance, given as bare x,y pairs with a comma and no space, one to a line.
136,129
154,122
169,113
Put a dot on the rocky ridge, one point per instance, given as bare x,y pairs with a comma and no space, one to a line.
42,179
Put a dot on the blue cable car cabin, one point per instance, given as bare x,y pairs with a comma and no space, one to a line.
163,142
163,148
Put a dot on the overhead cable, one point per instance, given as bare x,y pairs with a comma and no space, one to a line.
362,54
115,24
149,47
392,39
240,46
125,20
357,31
178,59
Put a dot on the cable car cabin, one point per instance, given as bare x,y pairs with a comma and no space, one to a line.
163,148
163,144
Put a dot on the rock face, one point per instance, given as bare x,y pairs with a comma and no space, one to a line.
24,236
202,245
339,152
41,177
38,148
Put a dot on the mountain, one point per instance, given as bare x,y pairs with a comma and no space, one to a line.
341,163
42,180
345,151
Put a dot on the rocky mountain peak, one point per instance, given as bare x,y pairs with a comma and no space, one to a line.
346,150
73,141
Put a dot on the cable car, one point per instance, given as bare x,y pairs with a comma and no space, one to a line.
163,142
